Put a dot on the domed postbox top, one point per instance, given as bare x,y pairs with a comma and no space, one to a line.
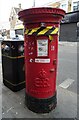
41,14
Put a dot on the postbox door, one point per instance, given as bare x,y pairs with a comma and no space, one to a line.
41,57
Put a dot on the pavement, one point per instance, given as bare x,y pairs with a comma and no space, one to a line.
13,103
67,65
62,43
14,107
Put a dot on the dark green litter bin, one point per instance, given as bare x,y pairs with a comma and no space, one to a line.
13,64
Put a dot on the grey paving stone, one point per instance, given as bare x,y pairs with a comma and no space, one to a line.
14,106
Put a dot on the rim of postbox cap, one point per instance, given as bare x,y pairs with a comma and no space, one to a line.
41,10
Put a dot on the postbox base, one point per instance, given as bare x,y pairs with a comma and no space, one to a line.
40,105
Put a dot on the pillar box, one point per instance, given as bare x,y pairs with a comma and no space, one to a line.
41,29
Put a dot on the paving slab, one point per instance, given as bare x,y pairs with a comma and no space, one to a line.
66,43
13,104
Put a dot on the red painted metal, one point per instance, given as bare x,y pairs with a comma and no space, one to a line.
41,77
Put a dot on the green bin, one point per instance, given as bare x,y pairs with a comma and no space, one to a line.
13,64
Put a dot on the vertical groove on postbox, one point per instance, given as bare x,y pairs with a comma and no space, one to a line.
41,49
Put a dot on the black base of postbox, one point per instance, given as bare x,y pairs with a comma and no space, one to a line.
40,105
14,87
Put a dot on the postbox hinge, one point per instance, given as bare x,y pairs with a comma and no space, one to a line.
54,61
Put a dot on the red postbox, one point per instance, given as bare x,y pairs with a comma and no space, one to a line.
41,46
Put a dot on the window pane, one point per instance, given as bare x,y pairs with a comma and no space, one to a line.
75,6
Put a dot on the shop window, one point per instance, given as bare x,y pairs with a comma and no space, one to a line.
75,6
63,6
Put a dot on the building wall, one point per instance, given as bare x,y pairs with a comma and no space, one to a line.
68,32
12,23
12,19
14,16
67,5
